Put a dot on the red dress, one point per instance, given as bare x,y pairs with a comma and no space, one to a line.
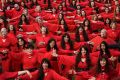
8,75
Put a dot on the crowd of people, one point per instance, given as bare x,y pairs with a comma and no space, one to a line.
60,39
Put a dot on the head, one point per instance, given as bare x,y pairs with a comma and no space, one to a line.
45,64
103,62
29,48
78,7
92,4
21,42
107,9
3,32
16,6
11,28
103,33
86,24
44,30
25,11
78,12
81,31
104,49
83,53
66,39
113,25
38,8
51,44
54,10
60,16
108,21
83,13
1,19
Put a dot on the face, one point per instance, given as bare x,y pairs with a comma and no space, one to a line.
106,9
80,30
103,33
113,26
45,65
103,46
29,50
53,10
92,4
23,18
1,20
22,3
83,13
62,22
20,42
34,1
11,27
38,8
3,32
107,20
43,30
86,22
63,3
16,6
25,11
78,12
60,7
52,44
78,7
117,9
66,38
60,16
83,51
103,62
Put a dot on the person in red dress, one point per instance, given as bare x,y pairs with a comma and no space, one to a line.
66,45
103,70
14,75
5,45
103,37
45,72
82,62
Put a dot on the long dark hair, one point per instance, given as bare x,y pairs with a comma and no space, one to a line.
14,30
109,21
69,41
107,52
4,20
89,26
77,35
41,72
34,4
48,48
99,68
26,20
65,25
49,4
78,58
23,42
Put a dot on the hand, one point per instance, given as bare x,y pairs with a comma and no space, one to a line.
92,78
41,43
72,71
76,52
54,53
29,74
59,32
112,58
8,20
4,51
90,42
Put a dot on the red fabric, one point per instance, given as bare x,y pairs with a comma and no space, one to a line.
8,75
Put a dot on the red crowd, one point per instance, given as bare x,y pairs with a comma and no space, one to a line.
60,39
